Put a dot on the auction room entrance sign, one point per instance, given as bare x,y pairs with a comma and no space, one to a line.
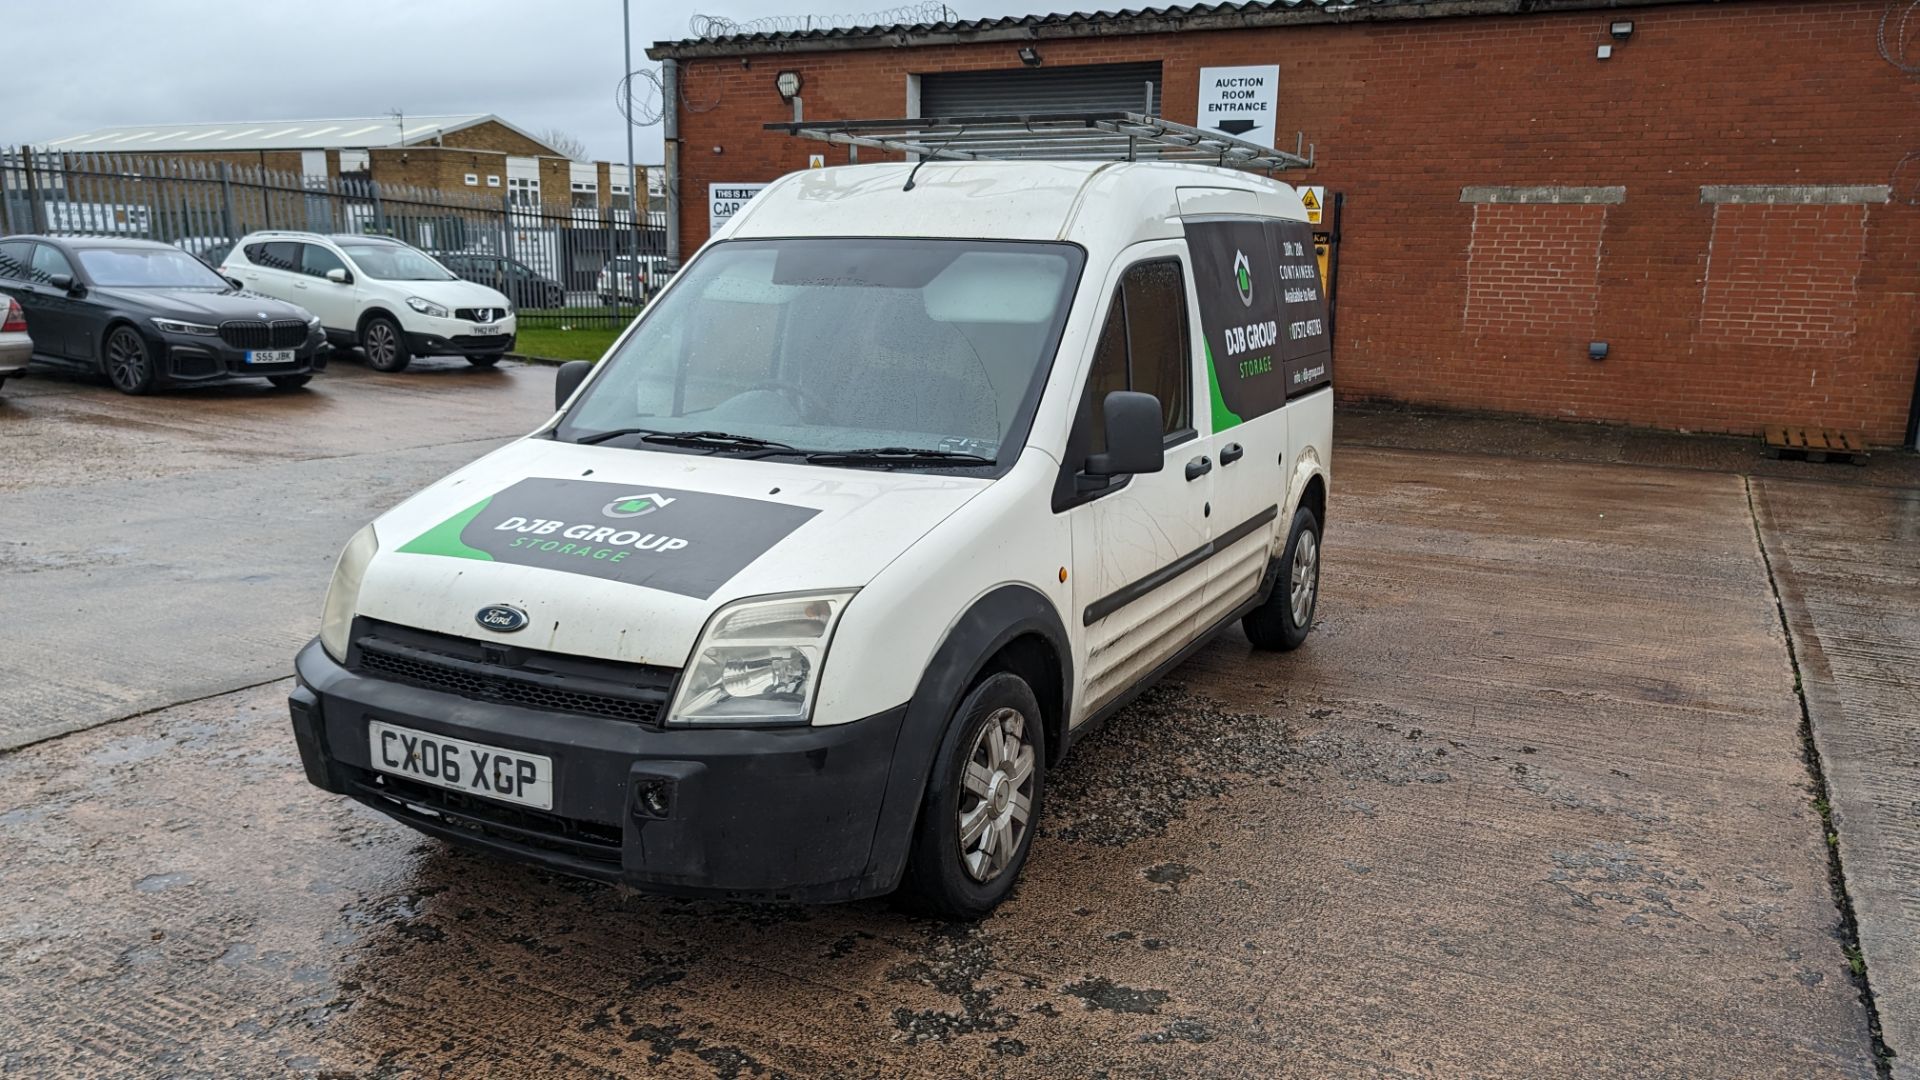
1240,101
725,200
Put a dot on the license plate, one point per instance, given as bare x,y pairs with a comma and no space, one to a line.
458,765
269,356
490,328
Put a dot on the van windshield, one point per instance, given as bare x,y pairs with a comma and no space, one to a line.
831,345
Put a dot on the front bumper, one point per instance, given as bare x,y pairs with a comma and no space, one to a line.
431,335
198,358
773,814
459,344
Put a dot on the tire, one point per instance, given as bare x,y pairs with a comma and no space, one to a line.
483,361
289,382
384,344
1282,623
127,361
966,881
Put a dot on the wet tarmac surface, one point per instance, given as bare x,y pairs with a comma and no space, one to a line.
1531,802
173,546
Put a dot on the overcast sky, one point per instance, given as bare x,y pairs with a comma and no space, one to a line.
74,66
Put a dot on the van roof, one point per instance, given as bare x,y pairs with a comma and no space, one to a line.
1119,202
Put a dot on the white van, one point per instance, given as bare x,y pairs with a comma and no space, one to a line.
889,498
392,300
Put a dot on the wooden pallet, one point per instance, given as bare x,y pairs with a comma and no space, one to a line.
1815,444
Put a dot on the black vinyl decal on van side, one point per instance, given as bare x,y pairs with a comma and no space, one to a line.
1304,343
686,542
1261,312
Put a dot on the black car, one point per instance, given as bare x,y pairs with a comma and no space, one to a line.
146,314
525,286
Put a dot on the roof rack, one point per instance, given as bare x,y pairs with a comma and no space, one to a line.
1054,136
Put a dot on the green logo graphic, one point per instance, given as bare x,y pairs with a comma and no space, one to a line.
1243,277
632,506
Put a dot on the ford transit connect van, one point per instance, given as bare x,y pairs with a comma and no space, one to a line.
893,494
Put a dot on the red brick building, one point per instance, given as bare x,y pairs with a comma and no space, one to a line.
1728,200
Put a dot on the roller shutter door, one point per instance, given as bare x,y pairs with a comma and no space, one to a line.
1091,88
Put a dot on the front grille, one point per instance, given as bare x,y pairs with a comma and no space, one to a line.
512,675
480,314
521,826
254,334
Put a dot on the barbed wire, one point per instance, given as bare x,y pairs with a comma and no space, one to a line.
1894,51
719,26
646,97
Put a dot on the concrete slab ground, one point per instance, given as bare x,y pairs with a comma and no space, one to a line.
1530,803
170,547
1847,561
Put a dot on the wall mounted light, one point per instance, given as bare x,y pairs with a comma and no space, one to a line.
1621,30
1604,52
788,84
1596,350
1029,56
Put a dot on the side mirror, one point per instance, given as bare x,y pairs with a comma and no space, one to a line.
63,282
237,283
339,276
1134,436
568,379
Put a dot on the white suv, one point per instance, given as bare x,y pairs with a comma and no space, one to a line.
393,301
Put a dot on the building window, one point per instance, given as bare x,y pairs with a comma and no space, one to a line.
473,180
493,181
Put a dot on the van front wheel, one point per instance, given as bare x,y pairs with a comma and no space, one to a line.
1281,624
982,802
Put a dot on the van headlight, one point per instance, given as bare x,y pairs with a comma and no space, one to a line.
758,661
343,595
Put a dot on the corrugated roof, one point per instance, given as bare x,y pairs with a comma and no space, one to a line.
1124,21
359,132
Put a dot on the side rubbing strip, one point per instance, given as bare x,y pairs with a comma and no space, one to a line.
1132,591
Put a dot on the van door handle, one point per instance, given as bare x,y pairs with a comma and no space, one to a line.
1231,453
1199,467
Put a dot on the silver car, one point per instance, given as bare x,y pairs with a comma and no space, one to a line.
16,348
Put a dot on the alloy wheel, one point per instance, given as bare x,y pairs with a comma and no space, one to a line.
126,360
996,798
1306,576
380,345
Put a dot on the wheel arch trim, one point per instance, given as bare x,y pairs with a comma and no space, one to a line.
995,619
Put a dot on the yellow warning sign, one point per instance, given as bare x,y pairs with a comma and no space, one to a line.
1320,250
1313,198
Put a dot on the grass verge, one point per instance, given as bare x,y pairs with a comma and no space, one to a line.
582,343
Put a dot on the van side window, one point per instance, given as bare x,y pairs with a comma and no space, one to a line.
1109,372
1160,357
1143,346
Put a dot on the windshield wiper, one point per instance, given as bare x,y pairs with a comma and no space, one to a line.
720,440
896,456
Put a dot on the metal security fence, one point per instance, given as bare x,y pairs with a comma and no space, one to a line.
584,265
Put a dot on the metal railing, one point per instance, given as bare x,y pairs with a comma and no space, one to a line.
561,265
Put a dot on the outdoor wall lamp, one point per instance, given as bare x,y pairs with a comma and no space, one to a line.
1621,30
1029,56
1596,350
788,83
